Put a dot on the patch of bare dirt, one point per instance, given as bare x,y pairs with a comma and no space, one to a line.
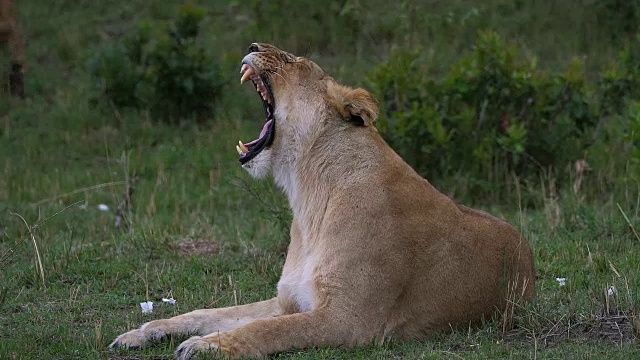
194,247
111,356
615,329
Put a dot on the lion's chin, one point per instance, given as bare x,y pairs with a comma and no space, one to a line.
259,166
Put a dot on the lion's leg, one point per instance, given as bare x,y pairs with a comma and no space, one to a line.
16,75
322,327
205,321
6,28
10,34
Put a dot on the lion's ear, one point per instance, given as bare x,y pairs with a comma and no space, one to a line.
362,107
355,105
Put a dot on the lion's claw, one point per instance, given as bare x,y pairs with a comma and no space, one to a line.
189,348
134,339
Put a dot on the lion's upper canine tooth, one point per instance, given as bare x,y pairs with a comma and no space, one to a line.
247,75
242,147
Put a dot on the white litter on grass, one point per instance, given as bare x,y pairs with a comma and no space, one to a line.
103,207
147,307
171,301
562,281
611,291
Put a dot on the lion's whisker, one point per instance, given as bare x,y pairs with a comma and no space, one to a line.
285,71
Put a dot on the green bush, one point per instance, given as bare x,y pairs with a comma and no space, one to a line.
161,68
614,157
492,116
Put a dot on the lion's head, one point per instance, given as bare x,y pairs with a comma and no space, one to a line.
300,102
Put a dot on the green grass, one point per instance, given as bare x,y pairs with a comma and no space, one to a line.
204,232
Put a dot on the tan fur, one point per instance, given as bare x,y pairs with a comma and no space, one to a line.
11,36
349,102
375,251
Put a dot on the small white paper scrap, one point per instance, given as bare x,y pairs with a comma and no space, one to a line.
611,291
103,207
562,281
171,301
147,307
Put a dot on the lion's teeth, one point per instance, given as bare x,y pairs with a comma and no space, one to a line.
242,147
247,75
243,68
244,78
238,149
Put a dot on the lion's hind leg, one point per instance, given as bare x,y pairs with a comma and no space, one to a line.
198,322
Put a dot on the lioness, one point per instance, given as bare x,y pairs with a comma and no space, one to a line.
375,250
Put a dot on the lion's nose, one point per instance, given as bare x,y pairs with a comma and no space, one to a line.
253,48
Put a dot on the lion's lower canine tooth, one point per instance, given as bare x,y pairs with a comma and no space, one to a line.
241,146
238,149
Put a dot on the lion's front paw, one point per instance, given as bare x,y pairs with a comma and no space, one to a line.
195,344
143,337
134,339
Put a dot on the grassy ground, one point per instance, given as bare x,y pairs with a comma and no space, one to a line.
205,233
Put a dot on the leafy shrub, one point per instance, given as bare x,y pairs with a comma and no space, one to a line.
614,157
492,116
162,68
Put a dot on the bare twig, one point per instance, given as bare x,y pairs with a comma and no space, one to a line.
122,213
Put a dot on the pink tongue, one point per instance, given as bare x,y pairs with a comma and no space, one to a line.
262,133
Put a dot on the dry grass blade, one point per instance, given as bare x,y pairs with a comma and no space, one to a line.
628,222
7,255
77,191
98,341
38,260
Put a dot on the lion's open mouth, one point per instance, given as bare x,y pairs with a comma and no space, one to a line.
248,151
